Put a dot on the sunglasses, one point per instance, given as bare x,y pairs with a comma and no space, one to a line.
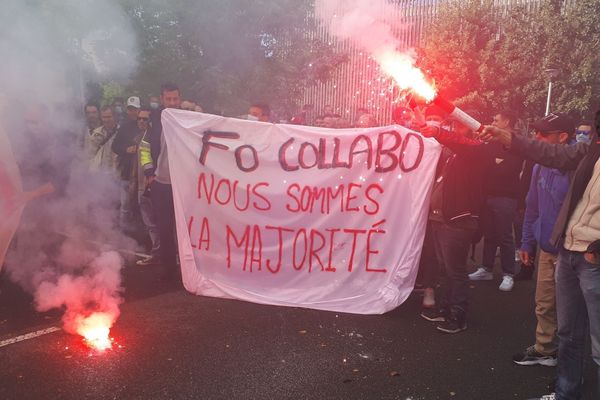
143,119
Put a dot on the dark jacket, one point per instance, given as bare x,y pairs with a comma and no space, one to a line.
153,137
127,135
463,175
504,176
524,183
579,159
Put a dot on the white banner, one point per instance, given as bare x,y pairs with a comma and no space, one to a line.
297,215
11,194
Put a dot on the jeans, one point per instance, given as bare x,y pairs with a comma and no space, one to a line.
518,226
125,219
578,309
162,201
149,218
452,241
498,232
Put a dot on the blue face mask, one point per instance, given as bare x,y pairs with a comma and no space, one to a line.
582,136
154,106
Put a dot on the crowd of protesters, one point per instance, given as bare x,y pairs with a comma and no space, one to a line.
482,181
531,197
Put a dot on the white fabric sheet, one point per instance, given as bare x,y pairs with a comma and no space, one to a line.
282,225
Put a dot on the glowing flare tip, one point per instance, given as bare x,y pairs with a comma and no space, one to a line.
96,330
98,338
406,75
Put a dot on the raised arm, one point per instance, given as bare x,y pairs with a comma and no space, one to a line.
550,155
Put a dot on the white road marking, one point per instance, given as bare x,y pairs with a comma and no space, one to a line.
28,336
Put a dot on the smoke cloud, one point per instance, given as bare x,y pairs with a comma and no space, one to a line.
61,253
366,23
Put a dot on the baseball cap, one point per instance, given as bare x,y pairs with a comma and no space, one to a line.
134,101
555,122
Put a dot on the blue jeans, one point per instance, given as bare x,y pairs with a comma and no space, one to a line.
149,219
125,220
578,308
498,232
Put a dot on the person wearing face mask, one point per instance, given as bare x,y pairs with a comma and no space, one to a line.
546,194
403,116
154,103
158,181
188,105
125,147
457,201
576,233
259,112
119,109
584,132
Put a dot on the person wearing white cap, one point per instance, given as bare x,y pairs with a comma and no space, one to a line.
133,107
125,146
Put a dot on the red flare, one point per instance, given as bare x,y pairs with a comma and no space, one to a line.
400,67
96,330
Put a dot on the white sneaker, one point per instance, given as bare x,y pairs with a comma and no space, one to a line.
481,275
507,283
551,396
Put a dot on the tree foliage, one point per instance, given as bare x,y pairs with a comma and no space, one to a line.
227,54
491,59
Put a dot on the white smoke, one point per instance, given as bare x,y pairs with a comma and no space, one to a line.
94,290
50,48
366,23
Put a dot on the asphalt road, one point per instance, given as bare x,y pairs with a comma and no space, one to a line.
174,345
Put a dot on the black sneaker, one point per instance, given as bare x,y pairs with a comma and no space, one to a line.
452,325
531,357
434,314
